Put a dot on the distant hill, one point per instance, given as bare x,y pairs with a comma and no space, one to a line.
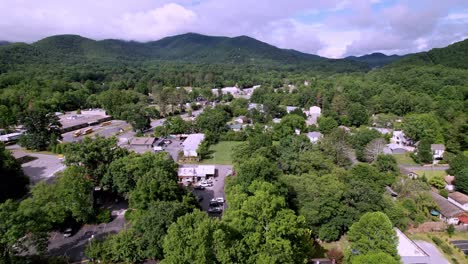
185,48
454,56
376,59
4,43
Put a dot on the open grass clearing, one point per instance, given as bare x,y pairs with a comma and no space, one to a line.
221,153
404,159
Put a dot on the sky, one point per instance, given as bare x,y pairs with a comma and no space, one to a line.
329,28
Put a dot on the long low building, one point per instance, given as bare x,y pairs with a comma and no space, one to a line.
409,252
191,144
73,121
196,173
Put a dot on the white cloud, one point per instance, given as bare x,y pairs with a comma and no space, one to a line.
157,23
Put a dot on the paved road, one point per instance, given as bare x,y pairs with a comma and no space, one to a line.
434,253
425,168
106,131
43,167
73,247
217,190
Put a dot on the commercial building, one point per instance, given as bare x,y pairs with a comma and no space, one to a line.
409,252
191,144
194,174
73,121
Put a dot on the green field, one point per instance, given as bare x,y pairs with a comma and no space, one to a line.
431,173
221,153
404,159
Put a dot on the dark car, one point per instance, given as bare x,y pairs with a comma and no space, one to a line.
214,204
199,187
215,210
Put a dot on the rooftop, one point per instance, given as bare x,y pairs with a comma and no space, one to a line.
459,197
407,248
437,147
142,141
447,209
72,119
314,134
192,142
198,171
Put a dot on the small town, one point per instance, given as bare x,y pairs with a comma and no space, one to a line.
178,147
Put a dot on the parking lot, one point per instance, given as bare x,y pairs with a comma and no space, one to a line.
116,127
217,190
40,167
461,244
73,247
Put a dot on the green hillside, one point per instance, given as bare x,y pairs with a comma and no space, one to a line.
187,48
376,59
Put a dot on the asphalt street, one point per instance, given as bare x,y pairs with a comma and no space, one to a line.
433,252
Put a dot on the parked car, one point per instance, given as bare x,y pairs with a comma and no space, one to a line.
206,184
68,232
219,200
214,204
199,187
215,210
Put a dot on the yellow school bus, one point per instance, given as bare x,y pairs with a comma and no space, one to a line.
77,133
88,131
106,123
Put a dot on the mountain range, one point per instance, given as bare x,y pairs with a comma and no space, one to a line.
196,48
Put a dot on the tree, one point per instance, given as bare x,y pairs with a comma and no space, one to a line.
461,180
7,118
327,124
123,247
374,149
213,121
190,240
358,114
175,125
336,147
288,125
42,129
437,182
14,182
386,163
361,138
375,257
422,126
256,168
424,151
151,226
95,155
373,233
457,164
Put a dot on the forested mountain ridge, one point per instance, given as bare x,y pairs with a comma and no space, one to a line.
376,59
454,56
4,43
186,48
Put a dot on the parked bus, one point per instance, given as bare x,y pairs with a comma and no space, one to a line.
106,123
88,131
78,133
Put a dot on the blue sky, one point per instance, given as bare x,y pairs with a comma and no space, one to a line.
331,28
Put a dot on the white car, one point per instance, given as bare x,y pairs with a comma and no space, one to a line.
218,200
205,184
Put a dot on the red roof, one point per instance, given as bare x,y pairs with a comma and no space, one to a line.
463,218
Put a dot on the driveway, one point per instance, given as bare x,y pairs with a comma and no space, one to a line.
73,247
425,168
41,167
433,252
217,190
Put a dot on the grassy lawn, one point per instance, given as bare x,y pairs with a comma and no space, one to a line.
221,153
457,254
404,159
431,173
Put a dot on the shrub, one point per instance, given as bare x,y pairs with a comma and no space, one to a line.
103,216
444,193
450,230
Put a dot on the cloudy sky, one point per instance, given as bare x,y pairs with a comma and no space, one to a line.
331,28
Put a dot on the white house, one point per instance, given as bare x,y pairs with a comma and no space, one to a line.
226,90
191,143
289,109
399,138
252,106
410,252
195,173
448,212
459,199
312,116
314,137
437,152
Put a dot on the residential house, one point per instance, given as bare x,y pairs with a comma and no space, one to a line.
459,199
313,114
409,173
449,180
289,109
241,120
396,148
276,120
437,152
409,251
143,142
448,212
314,137
191,144
226,90
252,106
195,173
399,138
383,131
235,127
